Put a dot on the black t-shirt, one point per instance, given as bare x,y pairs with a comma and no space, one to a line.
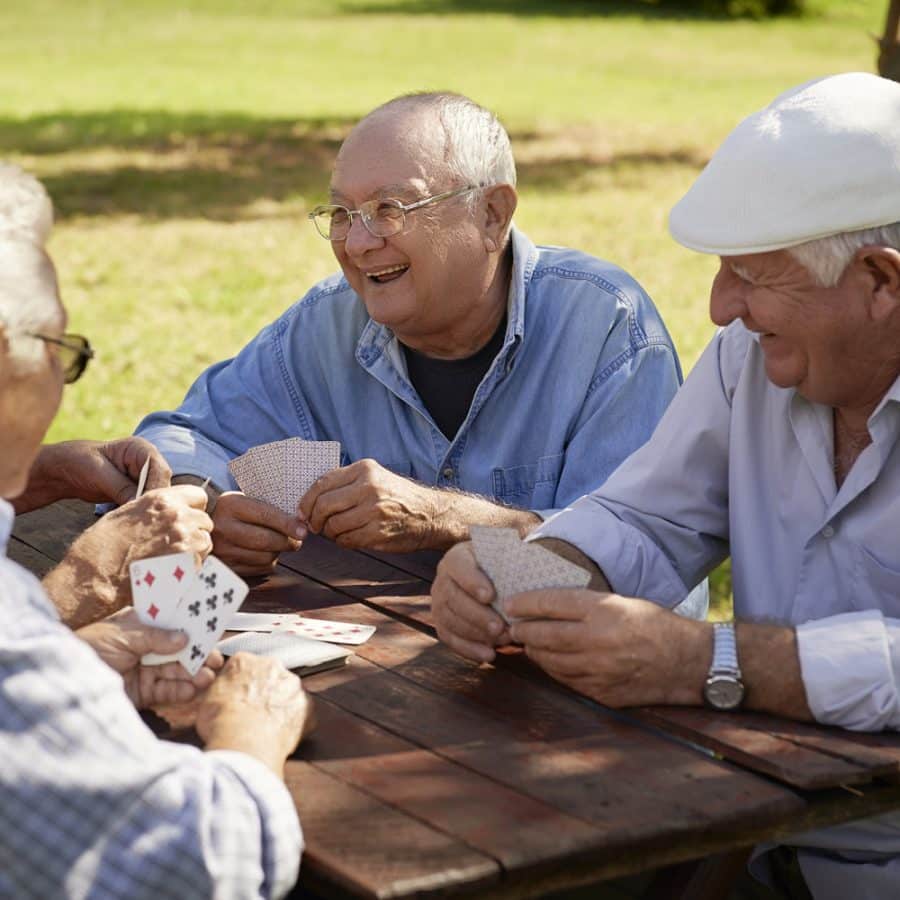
447,386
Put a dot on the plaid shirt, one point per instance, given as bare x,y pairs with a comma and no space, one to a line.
92,804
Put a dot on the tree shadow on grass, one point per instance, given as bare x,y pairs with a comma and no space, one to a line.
159,165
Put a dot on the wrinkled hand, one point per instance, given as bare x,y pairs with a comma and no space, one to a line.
257,706
617,650
100,471
93,580
364,505
460,605
249,534
121,640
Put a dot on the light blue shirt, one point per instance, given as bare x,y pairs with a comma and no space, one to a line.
584,374
94,805
739,465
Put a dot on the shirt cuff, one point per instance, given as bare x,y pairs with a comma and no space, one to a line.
850,665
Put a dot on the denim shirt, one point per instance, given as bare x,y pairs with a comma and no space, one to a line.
585,371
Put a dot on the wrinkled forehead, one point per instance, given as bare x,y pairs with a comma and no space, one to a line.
398,154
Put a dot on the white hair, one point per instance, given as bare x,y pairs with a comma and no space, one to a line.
476,146
28,288
826,258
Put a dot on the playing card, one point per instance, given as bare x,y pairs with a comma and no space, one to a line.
291,623
514,566
142,478
157,584
206,609
281,472
294,651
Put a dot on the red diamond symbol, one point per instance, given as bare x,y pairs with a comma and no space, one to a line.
149,578
153,611
178,573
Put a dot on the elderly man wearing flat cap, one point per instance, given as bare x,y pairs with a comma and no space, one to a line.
782,449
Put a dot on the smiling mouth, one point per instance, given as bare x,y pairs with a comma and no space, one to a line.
383,276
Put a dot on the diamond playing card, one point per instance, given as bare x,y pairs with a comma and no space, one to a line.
515,566
291,623
281,472
157,585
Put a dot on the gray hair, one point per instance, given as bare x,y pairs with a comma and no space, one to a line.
826,258
28,288
476,146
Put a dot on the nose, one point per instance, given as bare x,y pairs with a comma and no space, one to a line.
359,239
727,298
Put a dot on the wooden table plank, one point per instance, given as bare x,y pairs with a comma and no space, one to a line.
805,756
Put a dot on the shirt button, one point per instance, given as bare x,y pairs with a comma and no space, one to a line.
448,472
827,532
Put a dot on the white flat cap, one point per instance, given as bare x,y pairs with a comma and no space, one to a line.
821,159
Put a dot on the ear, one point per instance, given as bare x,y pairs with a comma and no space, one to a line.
881,267
500,202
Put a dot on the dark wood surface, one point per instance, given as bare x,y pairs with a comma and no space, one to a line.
428,776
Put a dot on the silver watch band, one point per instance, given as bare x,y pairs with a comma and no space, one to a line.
725,659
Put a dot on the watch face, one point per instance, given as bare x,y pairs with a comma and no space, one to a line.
723,692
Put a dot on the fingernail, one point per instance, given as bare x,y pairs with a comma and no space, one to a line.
484,595
301,531
494,628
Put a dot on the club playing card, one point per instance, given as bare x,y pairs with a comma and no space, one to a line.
142,479
294,651
291,623
157,584
206,609
515,566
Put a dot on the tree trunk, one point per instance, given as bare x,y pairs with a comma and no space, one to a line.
889,57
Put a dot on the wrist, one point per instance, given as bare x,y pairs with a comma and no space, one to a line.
694,657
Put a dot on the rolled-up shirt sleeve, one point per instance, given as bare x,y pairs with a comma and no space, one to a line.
851,670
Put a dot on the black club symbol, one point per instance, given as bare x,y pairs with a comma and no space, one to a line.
211,601
210,579
229,595
194,608
211,624
196,651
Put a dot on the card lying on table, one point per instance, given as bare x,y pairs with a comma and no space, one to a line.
291,623
515,566
281,472
296,652
168,592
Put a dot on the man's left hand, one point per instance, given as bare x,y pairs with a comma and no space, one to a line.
122,639
365,505
617,650
95,471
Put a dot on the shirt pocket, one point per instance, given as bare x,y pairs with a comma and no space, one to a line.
531,486
877,586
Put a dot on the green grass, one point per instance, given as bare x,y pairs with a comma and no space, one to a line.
184,142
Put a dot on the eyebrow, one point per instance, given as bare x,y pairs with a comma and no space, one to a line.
742,273
388,191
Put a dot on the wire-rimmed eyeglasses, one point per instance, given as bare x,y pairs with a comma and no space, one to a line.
382,218
74,353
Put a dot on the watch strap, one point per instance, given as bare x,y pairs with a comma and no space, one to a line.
725,658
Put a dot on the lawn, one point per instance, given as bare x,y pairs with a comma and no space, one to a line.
184,142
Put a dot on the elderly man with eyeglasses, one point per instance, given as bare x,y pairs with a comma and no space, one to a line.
470,376
93,803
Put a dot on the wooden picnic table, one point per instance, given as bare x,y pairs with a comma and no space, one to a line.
429,776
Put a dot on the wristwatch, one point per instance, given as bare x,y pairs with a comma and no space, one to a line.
723,689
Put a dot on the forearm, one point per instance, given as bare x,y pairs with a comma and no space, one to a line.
453,513
46,483
80,593
770,665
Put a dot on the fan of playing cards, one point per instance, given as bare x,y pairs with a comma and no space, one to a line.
515,566
280,473
169,592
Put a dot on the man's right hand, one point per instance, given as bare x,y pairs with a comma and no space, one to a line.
461,607
249,534
92,580
258,707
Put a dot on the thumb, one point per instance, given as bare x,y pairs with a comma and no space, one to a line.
118,487
159,640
